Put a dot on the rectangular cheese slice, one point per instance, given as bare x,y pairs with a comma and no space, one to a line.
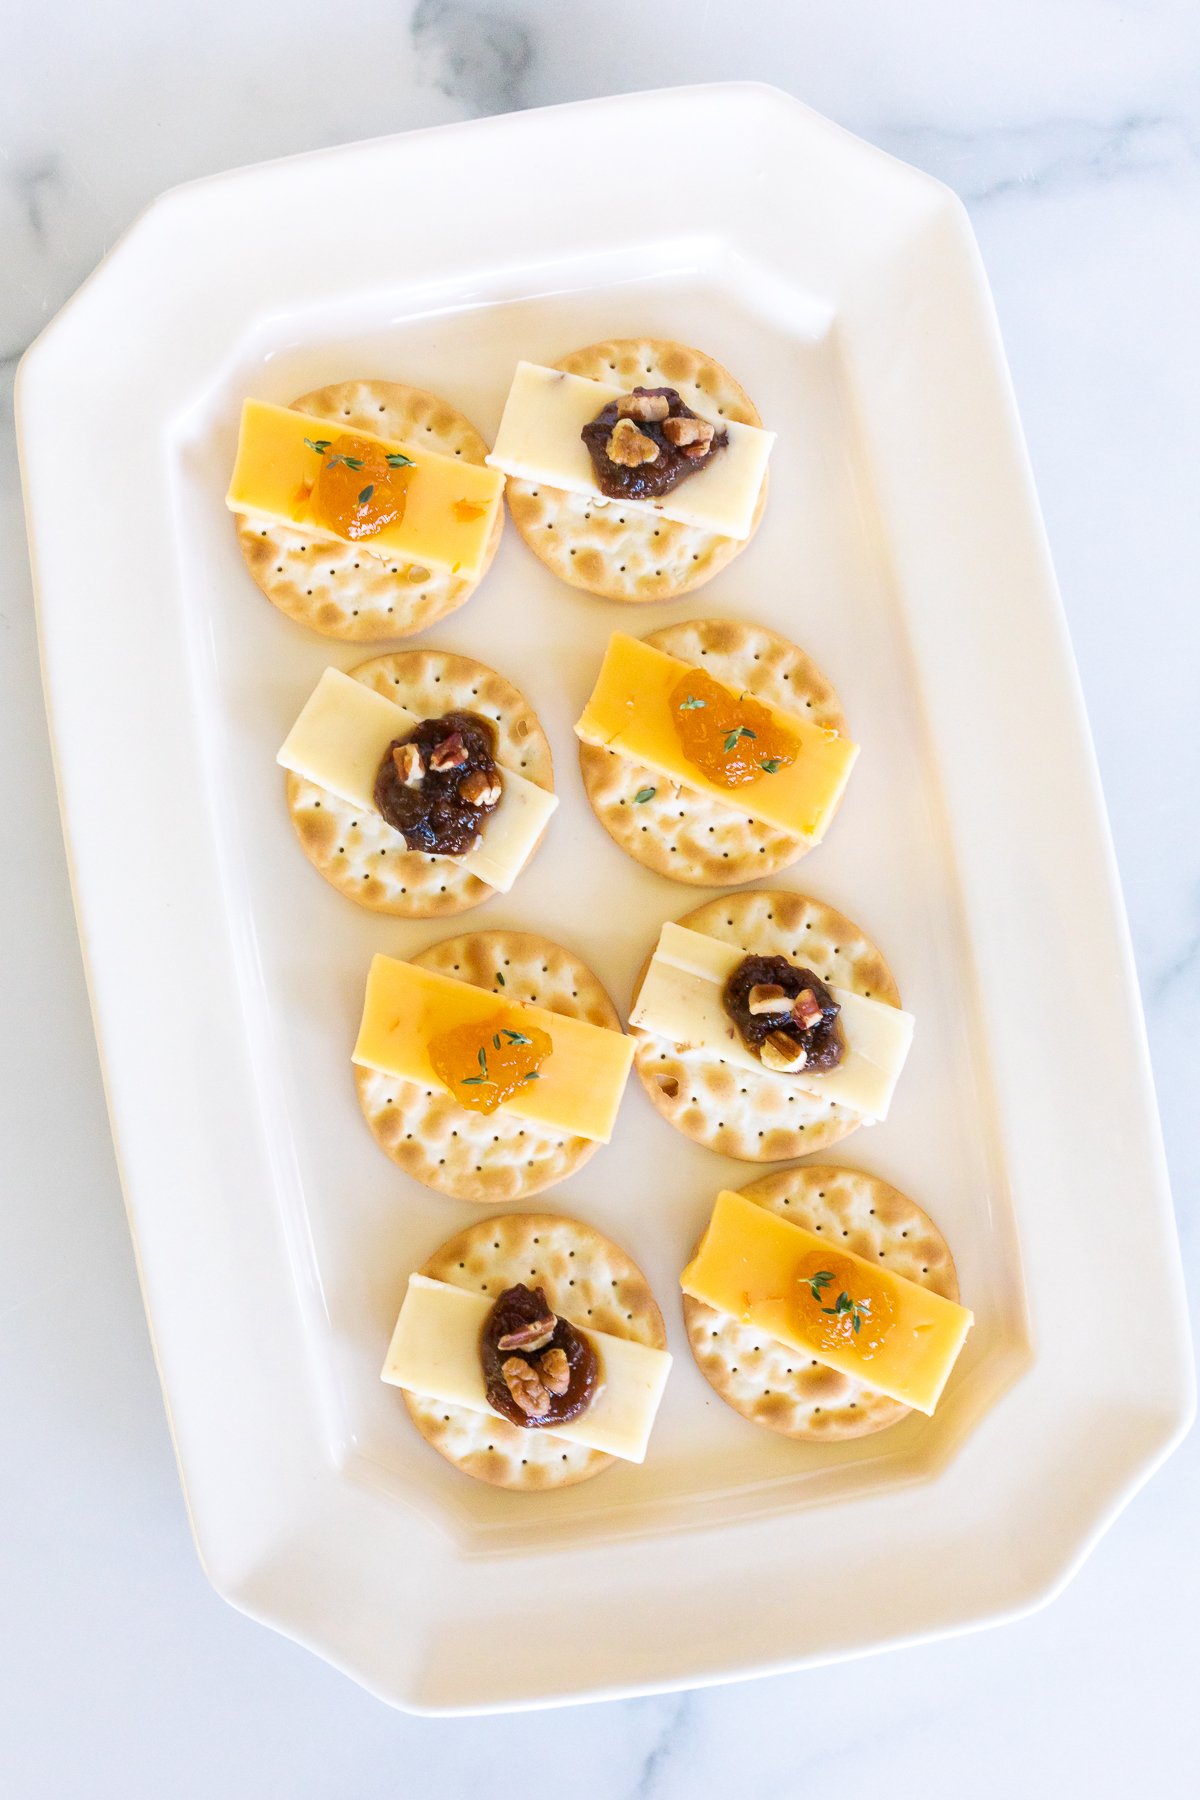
339,741
539,440
580,1084
435,1352
681,1000
747,1265
630,711
450,505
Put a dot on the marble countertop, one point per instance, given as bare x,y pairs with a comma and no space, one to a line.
1071,128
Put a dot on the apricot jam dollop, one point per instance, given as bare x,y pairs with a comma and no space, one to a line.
361,487
730,738
485,1062
840,1307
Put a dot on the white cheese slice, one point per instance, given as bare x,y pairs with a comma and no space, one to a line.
539,440
681,1001
434,1352
339,741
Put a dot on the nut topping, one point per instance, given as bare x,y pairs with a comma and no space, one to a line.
782,1054
628,447
523,1383
409,765
530,1334
768,997
807,1010
692,435
451,753
555,1372
479,789
644,406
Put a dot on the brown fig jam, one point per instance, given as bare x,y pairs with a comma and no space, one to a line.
785,1015
438,784
646,443
538,1370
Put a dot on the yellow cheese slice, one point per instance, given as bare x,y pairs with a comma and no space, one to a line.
539,440
630,711
435,1353
450,505
339,741
681,1001
580,1083
747,1265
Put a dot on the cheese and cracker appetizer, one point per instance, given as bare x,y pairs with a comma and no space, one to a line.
491,1065
364,510
636,468
530,1352
768,1026
420,783
823,1304
713,752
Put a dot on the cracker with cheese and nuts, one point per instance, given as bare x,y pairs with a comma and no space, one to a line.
530,1352
768,1025
635,468
419,784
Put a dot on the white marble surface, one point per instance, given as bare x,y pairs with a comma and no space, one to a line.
1072,130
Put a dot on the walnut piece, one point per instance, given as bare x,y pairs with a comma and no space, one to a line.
451,753
630,447
523,1383
769,997
409,767
644,406
531,1334
555,1371
782,1054
478,789
806,1010
692,436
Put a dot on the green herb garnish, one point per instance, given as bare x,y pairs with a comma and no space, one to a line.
320,445
397,460
644,794
499,978
351,462
365,493
514,1037
820,1280
691,704
532,1076
740,731
771,765
845,1305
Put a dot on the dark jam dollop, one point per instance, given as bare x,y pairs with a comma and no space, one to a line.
539,1371
436,785
804,997
652,475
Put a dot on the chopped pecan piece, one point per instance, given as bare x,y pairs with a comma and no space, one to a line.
409,766
523,1383
644,406
692,436
807,1010
768,997
782,1054
555,1371
630,447
451,753
530,1334
479,789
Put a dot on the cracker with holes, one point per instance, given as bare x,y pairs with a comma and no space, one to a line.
636,469
365,510
420,783
713,751
823,1304
491,1065
768,1025
530,1352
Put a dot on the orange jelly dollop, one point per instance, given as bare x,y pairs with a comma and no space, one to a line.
358,492
486,1062
840,1307
730,738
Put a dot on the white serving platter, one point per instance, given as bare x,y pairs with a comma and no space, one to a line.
902,547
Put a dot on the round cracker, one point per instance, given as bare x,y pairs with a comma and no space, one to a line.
681,832
349,590
763,1118
622,552
778,1387
586,1278
475,1156
359,852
